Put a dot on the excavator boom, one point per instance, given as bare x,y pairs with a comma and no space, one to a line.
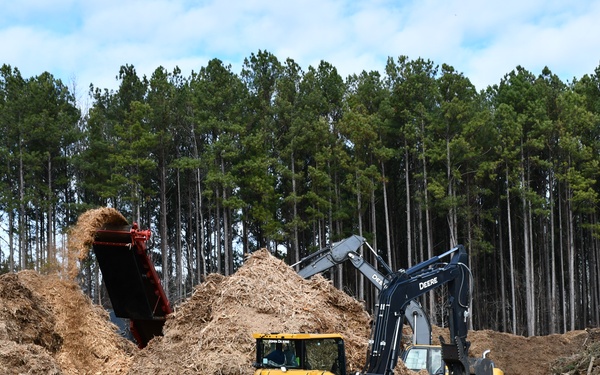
347,250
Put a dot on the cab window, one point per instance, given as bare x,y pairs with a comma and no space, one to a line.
417,359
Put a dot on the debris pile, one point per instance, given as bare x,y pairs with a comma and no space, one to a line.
525,355
48,326
211,333
586,360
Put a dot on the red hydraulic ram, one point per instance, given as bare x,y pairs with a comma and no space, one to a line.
131,280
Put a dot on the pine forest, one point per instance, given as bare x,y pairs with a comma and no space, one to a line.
415,159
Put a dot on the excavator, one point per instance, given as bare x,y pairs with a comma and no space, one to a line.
396,295
412,283
419,354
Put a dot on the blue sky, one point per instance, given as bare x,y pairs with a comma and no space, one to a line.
83,42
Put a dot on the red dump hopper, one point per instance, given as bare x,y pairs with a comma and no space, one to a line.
131,280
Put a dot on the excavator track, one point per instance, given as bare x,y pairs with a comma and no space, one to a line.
131,280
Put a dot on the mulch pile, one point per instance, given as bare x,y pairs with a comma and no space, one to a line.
48,326
527,355
584,360
211,333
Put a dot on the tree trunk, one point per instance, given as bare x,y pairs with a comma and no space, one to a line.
330,223
179,251
97,290
361,279
428,232
452,219
22,235
596,278
163,228
51,249
408,222
190,237
339,269
11,245
571,260
227,254
217,232
562,262
374,231
511,258
296,249
526,253
553,283
387,218
502,276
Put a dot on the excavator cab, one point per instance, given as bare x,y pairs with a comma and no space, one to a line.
300,353
429,358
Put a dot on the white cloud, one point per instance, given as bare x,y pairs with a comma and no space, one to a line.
482,39
564,39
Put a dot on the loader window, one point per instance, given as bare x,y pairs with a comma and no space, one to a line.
291,359
322,355
286,353
306,354
436,365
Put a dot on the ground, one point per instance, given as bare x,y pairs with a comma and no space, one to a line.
48,326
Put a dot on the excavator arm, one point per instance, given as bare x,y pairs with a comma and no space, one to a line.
410,284
338,253
347,250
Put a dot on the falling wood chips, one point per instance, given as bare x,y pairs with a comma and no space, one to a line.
81,236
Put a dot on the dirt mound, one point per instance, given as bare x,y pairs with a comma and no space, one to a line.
525,355
516,355
585,361
48,326
211,333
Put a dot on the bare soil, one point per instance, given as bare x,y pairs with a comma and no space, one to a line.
48,326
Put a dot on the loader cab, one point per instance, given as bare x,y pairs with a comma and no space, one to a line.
424,357
303,353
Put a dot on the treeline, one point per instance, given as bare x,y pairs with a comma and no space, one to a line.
415,159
